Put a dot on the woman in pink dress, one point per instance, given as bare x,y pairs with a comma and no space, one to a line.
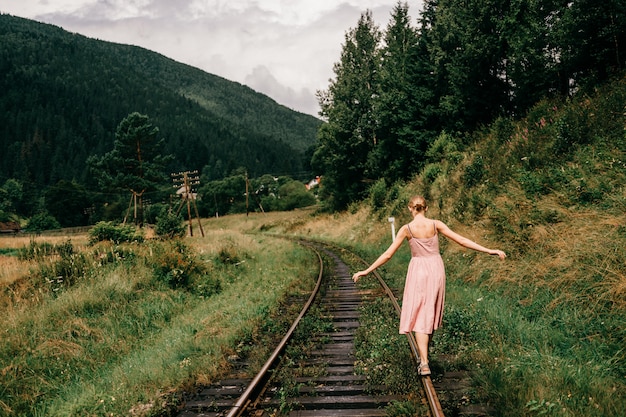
424,290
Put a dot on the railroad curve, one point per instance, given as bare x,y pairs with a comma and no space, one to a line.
325,382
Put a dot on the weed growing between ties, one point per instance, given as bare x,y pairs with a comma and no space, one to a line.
134,322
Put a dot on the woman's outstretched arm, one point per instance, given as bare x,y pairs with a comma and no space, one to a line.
385,256
465,242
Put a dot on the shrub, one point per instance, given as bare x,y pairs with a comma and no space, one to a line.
169,225
42,221
107,231
431,172
177,266
474,172
294,195
444,148
378,194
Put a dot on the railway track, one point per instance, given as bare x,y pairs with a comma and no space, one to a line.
323,382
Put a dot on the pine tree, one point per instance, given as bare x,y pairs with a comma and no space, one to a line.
405,105
135,163
345,142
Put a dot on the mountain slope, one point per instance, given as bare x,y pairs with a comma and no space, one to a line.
62,96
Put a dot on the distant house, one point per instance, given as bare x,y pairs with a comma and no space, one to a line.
10,227
314,182
182,191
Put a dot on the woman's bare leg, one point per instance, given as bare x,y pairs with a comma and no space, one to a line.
423,340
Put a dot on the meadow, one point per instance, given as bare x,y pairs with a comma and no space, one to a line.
113,330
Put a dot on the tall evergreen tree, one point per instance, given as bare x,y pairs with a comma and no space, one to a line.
531,67
591,41
405,104
135,163
469,61
345,142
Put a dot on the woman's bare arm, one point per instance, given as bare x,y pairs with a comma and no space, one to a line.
465,242
385,256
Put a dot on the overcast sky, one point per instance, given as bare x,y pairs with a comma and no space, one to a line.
283,48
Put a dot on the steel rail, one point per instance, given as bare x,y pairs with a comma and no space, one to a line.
258,383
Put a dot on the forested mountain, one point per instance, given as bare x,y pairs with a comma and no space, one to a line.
62,96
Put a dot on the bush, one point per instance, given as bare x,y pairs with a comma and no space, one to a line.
378,194
107,231
177,266
42,221
169,225
474,172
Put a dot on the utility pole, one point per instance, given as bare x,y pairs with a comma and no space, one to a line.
247,193
183,182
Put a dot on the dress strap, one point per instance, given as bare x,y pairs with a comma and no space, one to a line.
435,227
409,229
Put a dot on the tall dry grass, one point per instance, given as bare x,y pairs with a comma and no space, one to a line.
12,269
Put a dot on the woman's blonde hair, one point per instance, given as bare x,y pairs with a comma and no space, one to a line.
418,203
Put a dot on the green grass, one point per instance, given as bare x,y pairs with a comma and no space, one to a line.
534,365
119,340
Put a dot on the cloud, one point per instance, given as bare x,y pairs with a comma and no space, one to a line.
262,80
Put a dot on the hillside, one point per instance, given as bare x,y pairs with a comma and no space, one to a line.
63,95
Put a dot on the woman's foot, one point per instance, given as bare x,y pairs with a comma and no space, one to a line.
423,369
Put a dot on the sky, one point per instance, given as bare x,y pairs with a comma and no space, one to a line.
285,49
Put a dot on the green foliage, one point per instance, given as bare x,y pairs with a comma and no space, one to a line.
474,172
346,141
445,149
67,201
135,163
405,408
12,198
177,266
382,195
42,221
378,194
169,225
292,195
402,138
107,231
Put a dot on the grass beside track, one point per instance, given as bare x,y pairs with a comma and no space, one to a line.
116,341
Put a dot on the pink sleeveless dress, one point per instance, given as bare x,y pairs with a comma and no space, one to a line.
424,290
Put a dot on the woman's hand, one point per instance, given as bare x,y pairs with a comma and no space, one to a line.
499,253
358,275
